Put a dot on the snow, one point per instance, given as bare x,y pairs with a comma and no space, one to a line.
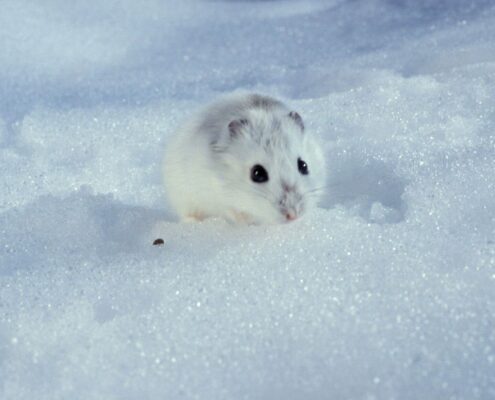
385,292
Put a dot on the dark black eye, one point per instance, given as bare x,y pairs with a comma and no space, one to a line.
259,174
303,167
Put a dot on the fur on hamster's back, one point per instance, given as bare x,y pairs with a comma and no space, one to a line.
213,119
216,116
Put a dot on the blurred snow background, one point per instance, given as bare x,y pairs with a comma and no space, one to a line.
387,292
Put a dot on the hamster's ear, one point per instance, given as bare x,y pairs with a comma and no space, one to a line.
235,127
297,119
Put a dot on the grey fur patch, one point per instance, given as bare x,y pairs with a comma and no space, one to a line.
226,118
264,102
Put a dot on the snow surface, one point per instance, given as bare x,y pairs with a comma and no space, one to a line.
386,292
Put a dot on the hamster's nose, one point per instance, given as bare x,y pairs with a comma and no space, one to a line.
291,215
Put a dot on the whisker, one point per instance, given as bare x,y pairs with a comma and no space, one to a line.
315,190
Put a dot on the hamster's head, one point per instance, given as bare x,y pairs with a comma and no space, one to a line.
272,169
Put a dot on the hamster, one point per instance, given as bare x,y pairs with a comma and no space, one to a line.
246,158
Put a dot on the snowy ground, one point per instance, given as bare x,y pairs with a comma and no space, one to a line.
386,292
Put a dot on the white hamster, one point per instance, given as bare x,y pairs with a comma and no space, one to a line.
246,158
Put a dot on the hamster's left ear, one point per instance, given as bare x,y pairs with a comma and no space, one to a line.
297,119
235,127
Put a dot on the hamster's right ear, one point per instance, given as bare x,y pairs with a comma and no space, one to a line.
297,119
235,127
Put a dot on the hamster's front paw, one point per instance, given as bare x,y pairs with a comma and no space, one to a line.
240,217
195,216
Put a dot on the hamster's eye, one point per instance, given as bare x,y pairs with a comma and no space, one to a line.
303,167
259,174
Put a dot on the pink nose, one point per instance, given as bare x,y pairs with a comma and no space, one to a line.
291,216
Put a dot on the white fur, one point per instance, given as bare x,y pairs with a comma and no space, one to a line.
207,169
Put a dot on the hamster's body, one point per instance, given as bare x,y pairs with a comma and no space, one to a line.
245,158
